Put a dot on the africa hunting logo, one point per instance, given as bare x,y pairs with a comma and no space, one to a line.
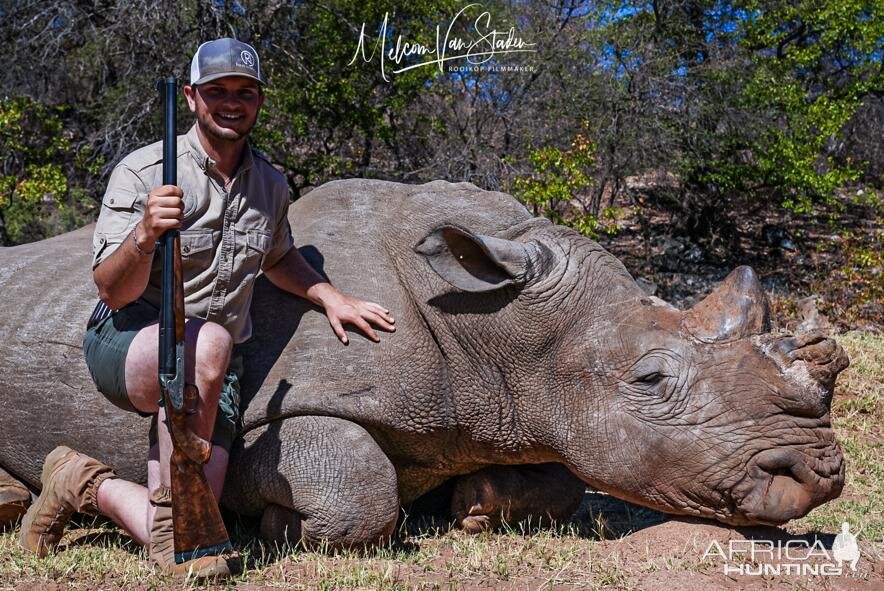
793,557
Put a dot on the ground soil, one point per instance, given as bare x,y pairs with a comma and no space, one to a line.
610,544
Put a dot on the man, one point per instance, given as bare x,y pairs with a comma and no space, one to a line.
231,207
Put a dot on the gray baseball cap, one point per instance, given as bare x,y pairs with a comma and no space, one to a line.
224,57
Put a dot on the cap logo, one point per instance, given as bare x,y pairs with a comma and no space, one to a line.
247,59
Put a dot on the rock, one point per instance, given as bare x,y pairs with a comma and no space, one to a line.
812,318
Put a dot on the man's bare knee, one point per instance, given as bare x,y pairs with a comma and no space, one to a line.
142,385
213,348
214,345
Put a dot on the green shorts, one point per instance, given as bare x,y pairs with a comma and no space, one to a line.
106,345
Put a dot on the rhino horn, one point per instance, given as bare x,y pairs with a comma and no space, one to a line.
477,263
736,309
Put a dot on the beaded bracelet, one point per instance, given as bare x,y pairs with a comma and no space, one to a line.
138,248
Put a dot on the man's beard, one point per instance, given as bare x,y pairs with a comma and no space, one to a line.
222,134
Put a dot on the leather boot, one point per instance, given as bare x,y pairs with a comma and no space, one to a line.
161,549
14,500
70,484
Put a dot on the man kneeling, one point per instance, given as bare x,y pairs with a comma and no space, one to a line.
231,206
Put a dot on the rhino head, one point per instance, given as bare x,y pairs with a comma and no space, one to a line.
701,412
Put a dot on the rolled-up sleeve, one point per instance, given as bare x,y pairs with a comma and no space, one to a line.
121,209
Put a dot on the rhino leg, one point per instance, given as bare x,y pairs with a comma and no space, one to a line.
534,494
14,499
319,481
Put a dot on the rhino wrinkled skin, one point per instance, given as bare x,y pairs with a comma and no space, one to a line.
526,362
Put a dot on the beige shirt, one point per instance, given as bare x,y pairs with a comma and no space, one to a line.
229,233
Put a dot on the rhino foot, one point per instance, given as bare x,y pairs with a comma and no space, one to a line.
321,482
533,495
15,499
281,526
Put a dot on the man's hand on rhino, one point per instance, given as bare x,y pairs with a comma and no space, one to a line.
295,275
342,309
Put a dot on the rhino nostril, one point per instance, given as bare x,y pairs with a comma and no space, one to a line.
786,476
783,472
797,346
780,462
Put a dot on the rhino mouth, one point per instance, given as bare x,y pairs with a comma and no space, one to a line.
785,483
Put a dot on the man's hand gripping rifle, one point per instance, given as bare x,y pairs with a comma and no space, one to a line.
198,527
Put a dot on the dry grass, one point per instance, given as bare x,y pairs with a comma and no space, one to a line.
591,553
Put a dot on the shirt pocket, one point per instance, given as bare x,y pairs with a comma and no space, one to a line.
258,241
252,245
114,224
197,250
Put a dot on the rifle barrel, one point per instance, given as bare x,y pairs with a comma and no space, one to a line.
167,340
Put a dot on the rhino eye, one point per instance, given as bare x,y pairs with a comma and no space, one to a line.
653,377
651,369
656,384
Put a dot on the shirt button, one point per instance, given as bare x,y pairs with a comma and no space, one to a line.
186,249
111,200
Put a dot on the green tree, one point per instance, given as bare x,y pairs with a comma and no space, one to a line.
745,99
742,100
35,162
815,62
559,187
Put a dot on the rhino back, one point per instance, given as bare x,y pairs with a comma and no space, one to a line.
46,393
361,234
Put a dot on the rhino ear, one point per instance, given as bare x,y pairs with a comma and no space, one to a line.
736,309
476,263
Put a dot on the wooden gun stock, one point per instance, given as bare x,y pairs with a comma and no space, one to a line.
196,519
